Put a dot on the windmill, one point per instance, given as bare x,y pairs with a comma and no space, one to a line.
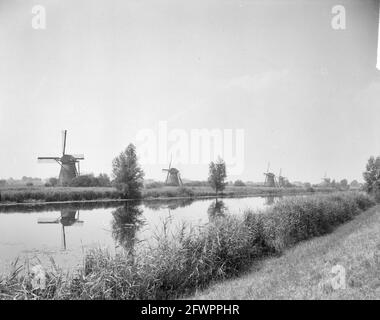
173,177
282,181
270,179
67,162
326,181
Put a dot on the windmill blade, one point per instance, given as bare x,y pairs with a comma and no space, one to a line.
63,238
378,47
170,164
64,133
165,170
268,167
78,156
78,223
48,220
48,159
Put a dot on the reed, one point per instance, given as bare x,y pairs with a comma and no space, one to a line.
180,263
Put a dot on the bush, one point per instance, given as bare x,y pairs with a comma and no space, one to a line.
239,183
89,180
53,181
154,184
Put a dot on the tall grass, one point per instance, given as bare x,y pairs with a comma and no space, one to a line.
65,194
58,194
192,258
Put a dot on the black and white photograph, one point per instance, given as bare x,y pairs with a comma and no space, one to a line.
203,150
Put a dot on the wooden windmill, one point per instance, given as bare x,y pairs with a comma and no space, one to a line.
282,181
173,177
67,162
326,181
270,179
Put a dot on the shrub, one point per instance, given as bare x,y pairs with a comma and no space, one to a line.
155,184
239,183
89,180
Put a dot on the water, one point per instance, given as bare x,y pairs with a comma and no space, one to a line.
65,232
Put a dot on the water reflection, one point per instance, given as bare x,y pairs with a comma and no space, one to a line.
127,220
171,204
68,218
129,225
217,209
270,200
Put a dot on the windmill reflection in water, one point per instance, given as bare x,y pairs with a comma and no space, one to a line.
68,218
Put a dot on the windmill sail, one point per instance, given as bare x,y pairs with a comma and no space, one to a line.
67,163
378,46
64,133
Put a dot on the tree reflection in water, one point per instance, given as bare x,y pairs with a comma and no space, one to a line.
270,200
126,222
171,204
217,209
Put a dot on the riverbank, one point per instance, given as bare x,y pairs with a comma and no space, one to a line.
312,269
190,260
33,195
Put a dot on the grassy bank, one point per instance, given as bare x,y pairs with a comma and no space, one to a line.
306,270
64,194
191,259
56,194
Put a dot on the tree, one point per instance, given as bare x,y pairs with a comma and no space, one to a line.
128,176
103,180
344,184
239,183
372,175
354,184
217,175
89,180
53,181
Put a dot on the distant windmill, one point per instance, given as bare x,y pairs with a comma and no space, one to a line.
270,178
282,181
326,181
67,162
173,177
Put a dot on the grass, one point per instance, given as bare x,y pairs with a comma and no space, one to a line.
306,270
178,264
56,194
11,195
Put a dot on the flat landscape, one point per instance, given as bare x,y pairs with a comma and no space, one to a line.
23,194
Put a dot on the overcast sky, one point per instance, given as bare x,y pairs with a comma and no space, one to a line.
307,96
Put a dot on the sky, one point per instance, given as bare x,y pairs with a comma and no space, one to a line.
305,95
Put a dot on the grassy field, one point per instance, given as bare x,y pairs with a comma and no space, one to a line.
306,270
57,194
191,259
